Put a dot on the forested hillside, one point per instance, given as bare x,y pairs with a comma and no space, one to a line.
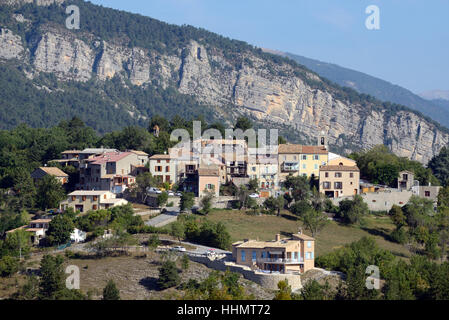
381,89
120,69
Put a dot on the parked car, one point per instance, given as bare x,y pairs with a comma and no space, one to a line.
154,190
178,194
178,248
170,193
254,195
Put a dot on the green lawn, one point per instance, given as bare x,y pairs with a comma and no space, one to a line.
334,235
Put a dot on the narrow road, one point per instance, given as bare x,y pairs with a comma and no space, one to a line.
165,218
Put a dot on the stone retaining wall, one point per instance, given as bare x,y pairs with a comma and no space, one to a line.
269,281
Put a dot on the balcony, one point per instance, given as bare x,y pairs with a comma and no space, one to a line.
191,171
290,166
280,261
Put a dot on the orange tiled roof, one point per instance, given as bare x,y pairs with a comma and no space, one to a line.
339,168
53,171
300,149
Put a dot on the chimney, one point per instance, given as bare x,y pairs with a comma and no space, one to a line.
278,237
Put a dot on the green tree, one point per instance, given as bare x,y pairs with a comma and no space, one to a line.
162,199
185,261
397,216
439,165
8,266
253,185
52,281
59,230
16,244
144,181
110,292
352,211
168,275
312,290
299,186
314,221
25,189
243,123
273,204
49,192
284,291
187,201
206,203
177,230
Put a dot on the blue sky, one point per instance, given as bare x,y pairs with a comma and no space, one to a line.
411,48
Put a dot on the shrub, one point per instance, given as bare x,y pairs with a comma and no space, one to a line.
168,275
8,266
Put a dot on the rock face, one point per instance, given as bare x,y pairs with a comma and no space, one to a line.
264,89
65,56
10,45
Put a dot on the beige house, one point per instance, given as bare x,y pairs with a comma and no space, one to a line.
69,158
109,171
208,181
41,172
163,167
37,229
298,160
406,180
337,160
288,255
84,201
142,156
339,181
265,169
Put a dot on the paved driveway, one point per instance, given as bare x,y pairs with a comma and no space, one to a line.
165,218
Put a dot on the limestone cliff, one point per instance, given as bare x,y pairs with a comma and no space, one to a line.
266,90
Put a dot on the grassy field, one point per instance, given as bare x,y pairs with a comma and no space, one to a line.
334,235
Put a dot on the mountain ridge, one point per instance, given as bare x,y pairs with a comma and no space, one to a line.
376,87
194,71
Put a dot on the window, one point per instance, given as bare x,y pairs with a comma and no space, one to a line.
167,169
309,244
73,198
84,198
94,207
158,169
337,174
159,161
294,157
304,157
311,254
338,185
326,175
326,185
263,255
243,258
167,161
316,157
254,255
304,166
167,178
316,167
95,198
307,255
427,193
